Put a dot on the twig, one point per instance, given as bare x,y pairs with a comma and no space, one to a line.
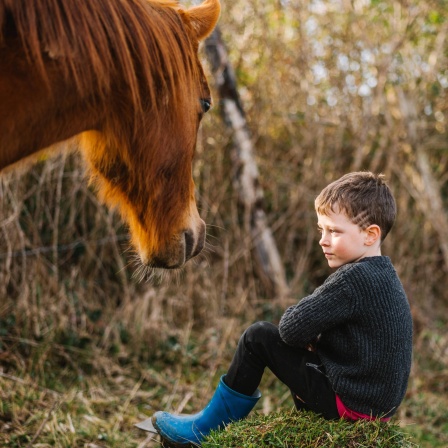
41,427
147,440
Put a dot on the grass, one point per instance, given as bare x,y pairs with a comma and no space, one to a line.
102,414
428,416
34,416
57,392
99,411
90,415
288,429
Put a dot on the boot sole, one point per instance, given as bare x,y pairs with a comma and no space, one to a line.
148,425
168,444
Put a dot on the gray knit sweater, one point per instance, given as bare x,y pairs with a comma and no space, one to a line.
363,316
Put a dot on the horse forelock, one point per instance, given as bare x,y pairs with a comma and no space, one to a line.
140,45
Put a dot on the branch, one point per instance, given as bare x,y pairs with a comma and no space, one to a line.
246,177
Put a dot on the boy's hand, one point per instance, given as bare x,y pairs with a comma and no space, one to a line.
312,346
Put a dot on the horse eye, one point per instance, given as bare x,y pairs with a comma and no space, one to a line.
206,104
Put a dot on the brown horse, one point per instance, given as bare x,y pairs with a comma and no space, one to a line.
124,79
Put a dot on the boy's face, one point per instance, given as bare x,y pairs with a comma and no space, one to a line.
341,240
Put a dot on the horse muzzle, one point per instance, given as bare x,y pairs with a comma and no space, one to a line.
182,248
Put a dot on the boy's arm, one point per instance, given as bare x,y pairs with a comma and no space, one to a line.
328,306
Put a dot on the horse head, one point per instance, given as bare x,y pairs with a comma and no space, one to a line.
143,163
125,78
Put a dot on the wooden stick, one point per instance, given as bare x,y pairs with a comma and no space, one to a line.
246,176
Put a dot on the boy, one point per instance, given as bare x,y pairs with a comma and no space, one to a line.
345,350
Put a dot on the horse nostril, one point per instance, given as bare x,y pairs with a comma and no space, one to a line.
201,238
189,244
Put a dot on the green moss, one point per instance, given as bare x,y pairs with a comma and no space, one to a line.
288,429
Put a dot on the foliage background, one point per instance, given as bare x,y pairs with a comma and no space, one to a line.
328,87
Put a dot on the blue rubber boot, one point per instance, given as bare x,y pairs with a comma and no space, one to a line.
225,406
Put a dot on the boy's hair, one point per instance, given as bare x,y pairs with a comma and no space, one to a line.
364,197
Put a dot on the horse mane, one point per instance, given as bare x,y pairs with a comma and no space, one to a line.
97,41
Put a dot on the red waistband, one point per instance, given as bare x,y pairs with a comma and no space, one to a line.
345,412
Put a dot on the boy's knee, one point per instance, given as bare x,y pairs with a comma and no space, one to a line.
260,330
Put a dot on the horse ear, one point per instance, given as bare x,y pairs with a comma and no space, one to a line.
204,17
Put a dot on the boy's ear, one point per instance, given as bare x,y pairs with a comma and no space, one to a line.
373,234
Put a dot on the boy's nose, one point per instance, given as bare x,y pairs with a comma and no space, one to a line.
323,240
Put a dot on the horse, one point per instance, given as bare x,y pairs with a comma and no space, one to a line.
122,79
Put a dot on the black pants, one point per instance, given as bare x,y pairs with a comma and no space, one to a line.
261,346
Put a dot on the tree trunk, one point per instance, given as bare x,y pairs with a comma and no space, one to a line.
246,179
420,179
